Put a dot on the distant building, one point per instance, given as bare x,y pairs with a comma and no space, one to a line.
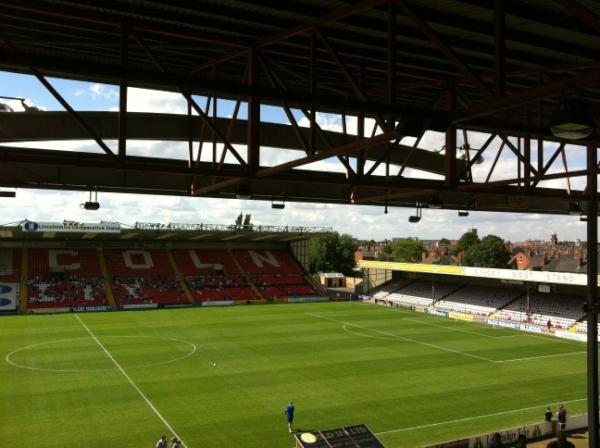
552,255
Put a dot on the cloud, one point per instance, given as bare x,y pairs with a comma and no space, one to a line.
99,91
366,222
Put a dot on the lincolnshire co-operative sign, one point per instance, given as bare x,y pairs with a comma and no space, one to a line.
562,278
71,226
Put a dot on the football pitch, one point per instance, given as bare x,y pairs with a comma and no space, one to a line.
220,377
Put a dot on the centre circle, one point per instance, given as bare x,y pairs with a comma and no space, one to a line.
86,355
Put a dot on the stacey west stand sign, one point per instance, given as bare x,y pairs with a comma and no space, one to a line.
562,278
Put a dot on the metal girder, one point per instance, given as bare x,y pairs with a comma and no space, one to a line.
299,29
191,102
518,99
108,73
358,91
499,49
592,296
314,128
445,49
112,23
40,126
22,167
311,158
581,12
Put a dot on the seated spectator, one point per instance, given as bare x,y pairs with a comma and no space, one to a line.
496,441
561,442
521,441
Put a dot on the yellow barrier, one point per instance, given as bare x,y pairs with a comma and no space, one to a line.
412,267
460,316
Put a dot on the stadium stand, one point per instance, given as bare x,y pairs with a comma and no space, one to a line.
509,304
478,300
382,291
274,272
416,293
142,277
212,275
64,278
10,265
562,311
75,278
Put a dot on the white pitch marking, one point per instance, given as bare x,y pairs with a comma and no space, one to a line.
8,359
554,339
542,356
462,331
135,386
476,417
415,341
345,324
385,338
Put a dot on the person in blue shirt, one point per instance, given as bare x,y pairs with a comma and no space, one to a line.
289,412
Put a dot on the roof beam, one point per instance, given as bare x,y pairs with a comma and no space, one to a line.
142,77
581,12
311,158
445,49
110,22
518,99
337,14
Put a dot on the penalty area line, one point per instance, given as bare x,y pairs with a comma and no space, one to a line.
135,386
476,417
403,338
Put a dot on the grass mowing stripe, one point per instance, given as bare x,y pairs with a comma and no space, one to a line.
418,321
466,419
403,338
135,386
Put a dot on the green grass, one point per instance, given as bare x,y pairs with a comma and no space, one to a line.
390,369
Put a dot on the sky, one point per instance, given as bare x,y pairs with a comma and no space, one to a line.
364,222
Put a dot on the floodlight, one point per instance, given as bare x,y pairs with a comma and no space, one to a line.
583,218
413,219
278,205
463,213
92,204
571,122
8,194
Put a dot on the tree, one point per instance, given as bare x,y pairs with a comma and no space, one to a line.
490,252
386,252
407,251
444,242
465,242
238,220
332,253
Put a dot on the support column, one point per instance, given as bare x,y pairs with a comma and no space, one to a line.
123,93
592,294
450,160
253,136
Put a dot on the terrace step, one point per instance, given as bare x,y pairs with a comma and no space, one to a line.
110,297
180,277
